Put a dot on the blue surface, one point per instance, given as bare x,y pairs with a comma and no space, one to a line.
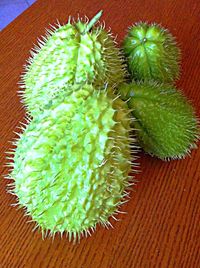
10,9
30,2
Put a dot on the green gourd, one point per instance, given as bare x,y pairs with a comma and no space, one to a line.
72,163
152,53
165,121
75,53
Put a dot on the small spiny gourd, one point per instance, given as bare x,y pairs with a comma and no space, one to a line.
75,53
72,163
152,53
165,121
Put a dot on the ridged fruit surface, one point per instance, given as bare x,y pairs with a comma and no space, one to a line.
72,163
166,123
75,53
152,53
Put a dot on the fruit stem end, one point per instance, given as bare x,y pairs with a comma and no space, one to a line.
92,22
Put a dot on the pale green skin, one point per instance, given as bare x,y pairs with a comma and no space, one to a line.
72,162
70,56
165,121
152,53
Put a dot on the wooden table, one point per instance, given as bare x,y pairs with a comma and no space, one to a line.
161,228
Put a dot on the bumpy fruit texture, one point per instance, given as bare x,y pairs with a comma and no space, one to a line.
166,124
75,53
72,162
152,53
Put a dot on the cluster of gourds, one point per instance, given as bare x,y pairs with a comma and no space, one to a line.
72,163
166,125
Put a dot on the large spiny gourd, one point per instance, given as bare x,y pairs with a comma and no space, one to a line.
72,163
75,53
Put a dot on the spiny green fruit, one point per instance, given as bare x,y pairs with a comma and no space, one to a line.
166,124
75,53
72,163
152,53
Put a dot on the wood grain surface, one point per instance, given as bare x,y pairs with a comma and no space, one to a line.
161,227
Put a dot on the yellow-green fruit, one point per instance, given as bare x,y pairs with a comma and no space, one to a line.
72,163
75,53
165,121
152,53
